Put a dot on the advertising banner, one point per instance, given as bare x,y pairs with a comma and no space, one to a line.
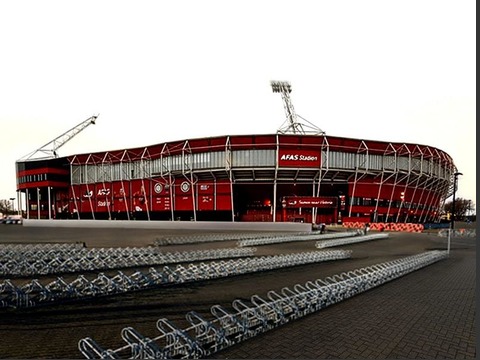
309,202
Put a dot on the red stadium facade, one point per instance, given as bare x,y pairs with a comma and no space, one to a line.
244,178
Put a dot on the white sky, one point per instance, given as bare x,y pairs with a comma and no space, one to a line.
156,71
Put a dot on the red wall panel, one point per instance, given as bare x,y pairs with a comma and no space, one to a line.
160,195
205,196
139,196
183,196
223,202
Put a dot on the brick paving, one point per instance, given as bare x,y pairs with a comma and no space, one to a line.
427,314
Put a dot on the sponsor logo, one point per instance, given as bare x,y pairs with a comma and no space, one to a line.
185,186
158,188
298,157
103,192
88,194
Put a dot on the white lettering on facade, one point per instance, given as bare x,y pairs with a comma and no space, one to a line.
294,157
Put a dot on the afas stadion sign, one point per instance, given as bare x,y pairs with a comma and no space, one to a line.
298,158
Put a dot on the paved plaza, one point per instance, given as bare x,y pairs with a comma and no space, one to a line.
427,314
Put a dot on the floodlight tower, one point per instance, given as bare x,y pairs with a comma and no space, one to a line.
50,149
291,124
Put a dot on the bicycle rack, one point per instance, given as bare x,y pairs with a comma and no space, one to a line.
205,337
34,293
356,239
24,260
275,239
194,239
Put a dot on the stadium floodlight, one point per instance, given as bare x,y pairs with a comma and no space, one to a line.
291,124
281,86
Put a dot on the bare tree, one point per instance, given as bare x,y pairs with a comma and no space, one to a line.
6,207
463,207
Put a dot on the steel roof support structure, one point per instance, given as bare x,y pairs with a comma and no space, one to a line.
187,172
228,169
390,164
145,167
416,168
403,153
428,162
166,175
361,160
440,181
125,175
107,176
324,151
90,179
275,182
435,202
50,149
73,171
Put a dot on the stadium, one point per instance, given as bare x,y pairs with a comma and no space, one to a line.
297,174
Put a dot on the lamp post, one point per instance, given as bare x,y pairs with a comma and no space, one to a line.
455,178
13,205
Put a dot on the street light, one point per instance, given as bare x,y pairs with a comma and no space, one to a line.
13,205
455,177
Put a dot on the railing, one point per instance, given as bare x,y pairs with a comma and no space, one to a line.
457,232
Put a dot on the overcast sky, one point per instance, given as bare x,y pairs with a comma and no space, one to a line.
157,71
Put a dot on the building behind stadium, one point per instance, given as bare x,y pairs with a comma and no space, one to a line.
298,174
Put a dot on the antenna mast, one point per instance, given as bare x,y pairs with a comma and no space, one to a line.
291,124
50,149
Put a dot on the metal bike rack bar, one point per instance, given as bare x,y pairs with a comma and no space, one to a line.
34,293
351,240
275,239
193,239
71,259
205,337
